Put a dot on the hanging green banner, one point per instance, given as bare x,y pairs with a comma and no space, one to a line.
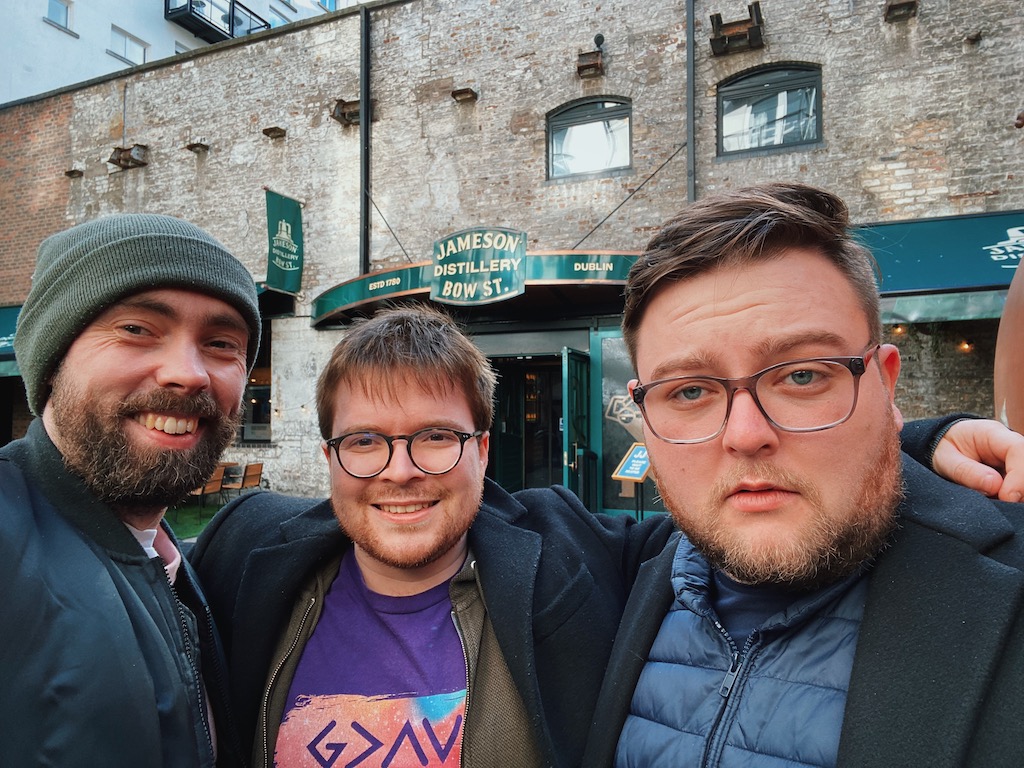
284,233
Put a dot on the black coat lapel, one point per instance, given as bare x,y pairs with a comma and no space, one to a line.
937,619
648,603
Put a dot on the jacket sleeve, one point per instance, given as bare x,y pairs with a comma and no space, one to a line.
921,437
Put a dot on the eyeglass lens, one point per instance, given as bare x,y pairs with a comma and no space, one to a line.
434,451
798,396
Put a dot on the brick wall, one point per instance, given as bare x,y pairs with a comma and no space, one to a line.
34,192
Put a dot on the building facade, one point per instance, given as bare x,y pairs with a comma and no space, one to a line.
509,160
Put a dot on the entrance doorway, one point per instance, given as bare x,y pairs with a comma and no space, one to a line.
541,423
526,441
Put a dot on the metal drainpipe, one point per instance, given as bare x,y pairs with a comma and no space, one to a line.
691,94
364,141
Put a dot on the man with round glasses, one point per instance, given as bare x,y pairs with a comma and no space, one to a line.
829,602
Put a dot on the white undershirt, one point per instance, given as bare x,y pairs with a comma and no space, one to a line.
157,543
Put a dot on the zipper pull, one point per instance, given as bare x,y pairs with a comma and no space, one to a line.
730,678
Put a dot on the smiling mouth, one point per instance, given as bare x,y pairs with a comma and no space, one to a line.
404,509
171,425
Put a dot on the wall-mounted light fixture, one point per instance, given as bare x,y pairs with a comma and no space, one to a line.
465,95
735,36
198,145
899,330
129,157
966,346
75,171
591,63
899,10
275,132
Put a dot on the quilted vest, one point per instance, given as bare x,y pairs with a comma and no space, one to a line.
773,700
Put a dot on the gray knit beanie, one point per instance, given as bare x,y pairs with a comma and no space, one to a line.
84,270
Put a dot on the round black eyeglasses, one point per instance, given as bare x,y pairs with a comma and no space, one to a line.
433,451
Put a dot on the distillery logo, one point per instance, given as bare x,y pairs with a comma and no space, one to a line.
1007,253
283,241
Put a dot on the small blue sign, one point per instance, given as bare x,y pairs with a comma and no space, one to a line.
634,465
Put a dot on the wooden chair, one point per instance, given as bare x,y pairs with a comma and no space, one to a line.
250,478
215,485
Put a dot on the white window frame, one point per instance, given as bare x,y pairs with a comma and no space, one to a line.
128,44
66,5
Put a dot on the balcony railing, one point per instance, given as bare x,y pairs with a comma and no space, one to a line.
214,20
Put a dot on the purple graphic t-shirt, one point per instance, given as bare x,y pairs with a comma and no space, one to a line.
382,682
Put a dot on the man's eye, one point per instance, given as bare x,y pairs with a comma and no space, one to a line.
225,344
134,330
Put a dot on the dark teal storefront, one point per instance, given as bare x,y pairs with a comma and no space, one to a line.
550,325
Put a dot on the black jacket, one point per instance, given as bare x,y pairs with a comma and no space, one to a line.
99,656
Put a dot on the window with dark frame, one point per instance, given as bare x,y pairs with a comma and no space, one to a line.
772,107
590,136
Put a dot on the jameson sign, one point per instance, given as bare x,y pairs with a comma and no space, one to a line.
478,266
284,233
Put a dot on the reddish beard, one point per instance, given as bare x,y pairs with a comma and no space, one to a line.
829,545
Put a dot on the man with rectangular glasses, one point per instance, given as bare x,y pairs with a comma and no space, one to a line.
829,602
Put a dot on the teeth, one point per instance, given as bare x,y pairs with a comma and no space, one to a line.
402,509
170,425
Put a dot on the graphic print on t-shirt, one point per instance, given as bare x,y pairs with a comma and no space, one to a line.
381,683
386,731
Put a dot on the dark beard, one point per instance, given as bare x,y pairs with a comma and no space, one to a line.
131,480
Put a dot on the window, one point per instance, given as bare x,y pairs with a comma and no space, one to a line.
329,5
256,424
126,47
780,106
59,12
589,137
179,48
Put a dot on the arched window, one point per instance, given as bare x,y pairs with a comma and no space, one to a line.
768,108
589,137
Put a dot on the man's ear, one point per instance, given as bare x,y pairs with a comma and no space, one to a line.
889,365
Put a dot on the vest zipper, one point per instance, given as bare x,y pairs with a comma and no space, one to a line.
740,657
265,704
730,677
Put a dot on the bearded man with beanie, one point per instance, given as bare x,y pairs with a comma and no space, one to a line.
135,343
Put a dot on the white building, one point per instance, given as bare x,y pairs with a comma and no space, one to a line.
50,44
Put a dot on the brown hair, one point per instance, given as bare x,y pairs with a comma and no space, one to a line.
748,225
417,340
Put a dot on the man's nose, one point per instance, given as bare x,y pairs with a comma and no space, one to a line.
401,468
748,431
182,365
